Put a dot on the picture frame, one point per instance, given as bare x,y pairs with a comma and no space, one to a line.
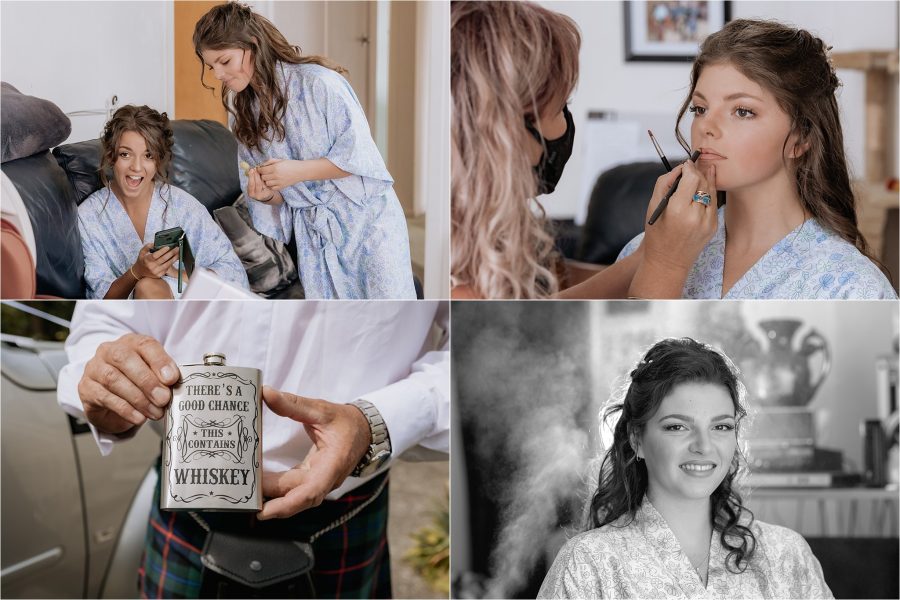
670,30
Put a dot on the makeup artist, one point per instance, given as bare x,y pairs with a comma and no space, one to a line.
512,135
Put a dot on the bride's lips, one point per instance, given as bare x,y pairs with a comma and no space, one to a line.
710,154
698,468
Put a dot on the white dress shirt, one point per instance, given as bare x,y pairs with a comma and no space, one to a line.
386,352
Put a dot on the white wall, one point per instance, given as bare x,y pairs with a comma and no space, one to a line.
78,54
607,82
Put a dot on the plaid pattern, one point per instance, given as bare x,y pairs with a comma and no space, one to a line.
351,560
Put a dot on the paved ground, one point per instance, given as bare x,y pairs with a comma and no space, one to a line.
415,489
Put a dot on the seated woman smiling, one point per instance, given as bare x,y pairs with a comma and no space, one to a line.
766,120
118,222
667,520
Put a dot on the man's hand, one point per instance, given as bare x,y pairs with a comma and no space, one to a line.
341,436
126,383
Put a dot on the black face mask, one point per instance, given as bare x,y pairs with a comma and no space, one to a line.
554,158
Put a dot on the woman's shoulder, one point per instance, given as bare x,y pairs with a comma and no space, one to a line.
95,201
607,539
179,196
310,74
845,271
778,542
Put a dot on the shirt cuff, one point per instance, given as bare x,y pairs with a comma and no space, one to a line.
415,411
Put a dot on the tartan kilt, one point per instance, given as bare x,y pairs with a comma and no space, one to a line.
351,561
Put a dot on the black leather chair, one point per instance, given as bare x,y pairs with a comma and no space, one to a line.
53,185
617,210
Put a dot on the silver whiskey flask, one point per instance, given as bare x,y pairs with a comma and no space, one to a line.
212,450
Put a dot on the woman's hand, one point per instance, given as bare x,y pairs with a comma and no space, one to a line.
685,227
154,264
278,173
259,191
672,244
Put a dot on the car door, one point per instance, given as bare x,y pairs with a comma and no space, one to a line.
43,548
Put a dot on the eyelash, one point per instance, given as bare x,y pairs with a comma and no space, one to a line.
126,154
699,111
720,427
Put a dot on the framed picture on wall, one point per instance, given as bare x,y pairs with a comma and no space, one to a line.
659,30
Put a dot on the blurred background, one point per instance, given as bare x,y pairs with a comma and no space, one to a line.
529,381
140,52
630,82
73,521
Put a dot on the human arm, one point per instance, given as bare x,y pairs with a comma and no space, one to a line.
660,265
271,215
148,264
415,410
612,282
114,369
278,174
673,243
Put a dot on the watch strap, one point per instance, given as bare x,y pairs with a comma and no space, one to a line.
380,448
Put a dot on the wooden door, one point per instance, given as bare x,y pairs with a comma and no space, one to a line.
348,41
192,100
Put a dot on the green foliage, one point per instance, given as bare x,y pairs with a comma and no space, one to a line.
430,556
17,322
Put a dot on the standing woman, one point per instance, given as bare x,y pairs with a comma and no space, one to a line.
307,159
667,519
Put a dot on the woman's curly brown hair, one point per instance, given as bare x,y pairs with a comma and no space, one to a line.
154,128
623,479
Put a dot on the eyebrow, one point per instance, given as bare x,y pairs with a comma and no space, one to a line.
734,96
691,419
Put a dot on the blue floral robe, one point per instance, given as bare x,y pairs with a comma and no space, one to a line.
643,559
111,244
351,234
810,262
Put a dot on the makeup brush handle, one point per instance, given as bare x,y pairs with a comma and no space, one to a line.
665,200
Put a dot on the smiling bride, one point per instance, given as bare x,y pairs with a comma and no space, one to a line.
667,520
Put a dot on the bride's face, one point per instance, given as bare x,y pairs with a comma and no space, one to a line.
689,443
739,127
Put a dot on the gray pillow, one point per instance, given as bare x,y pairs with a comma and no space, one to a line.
270,268
30,125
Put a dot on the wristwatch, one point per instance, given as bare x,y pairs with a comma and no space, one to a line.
380,449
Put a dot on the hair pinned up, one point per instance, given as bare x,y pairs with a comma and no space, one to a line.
794,66
152,125
235,25
623,478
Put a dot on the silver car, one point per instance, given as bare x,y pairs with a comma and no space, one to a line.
73,521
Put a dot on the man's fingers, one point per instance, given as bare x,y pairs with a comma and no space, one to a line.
121,387
298,408
144,362
156,357
300,498
276,485
99,399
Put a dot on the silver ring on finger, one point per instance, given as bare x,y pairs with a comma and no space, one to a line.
702,197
